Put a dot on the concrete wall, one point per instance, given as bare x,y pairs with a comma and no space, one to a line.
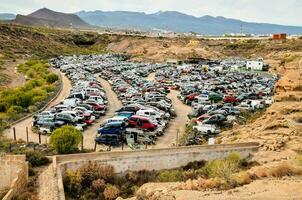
48,189
154,159
14,174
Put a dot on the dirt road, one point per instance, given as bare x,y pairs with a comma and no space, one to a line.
21,126
176,125
113,105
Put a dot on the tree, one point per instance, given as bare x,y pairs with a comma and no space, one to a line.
66,139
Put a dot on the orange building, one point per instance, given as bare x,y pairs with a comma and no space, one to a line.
279,36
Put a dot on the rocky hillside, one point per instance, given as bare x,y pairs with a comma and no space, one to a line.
180,22
48,18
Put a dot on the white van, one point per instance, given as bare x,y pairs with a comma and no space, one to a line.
73,102
152,114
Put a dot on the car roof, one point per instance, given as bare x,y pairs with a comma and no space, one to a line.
115,123
140,117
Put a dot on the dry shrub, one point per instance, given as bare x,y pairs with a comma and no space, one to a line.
260,173
98,185
298,160
212,183
284,170
223,168
111,192
72,182
93,171
240,179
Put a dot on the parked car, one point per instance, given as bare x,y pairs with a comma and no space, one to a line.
116,128
142,123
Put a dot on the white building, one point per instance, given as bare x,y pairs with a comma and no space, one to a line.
255,65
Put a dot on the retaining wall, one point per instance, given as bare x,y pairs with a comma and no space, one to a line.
154,159
14,174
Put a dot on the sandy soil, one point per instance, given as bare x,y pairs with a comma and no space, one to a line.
21,126
274,189
177,125
15,79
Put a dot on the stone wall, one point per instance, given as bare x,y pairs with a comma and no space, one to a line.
14,174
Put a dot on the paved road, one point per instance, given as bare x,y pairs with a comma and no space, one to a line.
113,104
21,126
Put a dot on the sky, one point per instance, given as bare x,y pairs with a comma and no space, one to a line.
287,12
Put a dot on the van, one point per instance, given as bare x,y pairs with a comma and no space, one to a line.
62,107
73,102
149,113
77,95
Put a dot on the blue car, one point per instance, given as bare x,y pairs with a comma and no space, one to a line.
125,114
113,128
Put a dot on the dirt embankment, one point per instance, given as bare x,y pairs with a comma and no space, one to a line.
278,130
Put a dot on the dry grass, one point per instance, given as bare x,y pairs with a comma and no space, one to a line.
284,169
241,178
260,173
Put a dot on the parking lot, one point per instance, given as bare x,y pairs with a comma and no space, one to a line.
115,102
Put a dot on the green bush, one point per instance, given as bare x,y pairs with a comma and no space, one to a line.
32,109
52,78
34,91
66,139
14,112
170,176
222,168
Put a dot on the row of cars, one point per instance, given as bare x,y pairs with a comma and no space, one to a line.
218,98
146,110
86,102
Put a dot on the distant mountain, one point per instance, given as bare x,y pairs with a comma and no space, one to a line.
7,16
49,18
179,22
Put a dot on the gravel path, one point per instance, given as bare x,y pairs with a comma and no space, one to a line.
113,104
176,125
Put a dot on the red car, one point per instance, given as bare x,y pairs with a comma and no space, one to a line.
230,99
96,106
201,118
191,97
87,119
142,123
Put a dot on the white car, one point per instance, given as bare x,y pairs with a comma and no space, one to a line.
207,129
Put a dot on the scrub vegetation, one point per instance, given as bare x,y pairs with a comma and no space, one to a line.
17,102
96,181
